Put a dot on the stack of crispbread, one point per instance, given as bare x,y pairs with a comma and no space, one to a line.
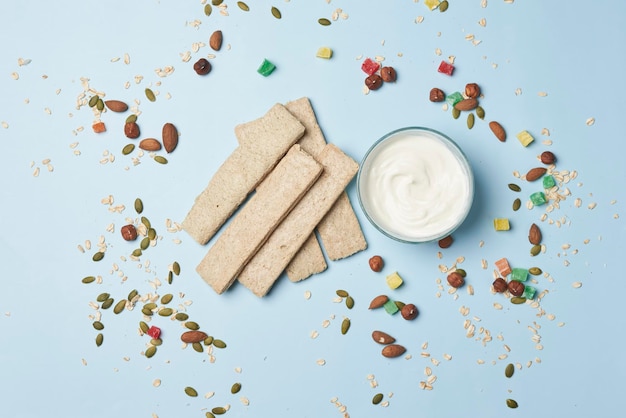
300,185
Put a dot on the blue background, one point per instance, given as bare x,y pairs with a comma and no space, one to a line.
49,363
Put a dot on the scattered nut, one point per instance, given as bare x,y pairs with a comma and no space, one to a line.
497,130
534,235
516,288
382,337
437,95
446,242
547,157
455,279
535,173
388,74
466,104
378,302
393,350
374,82
215,41
129,232
131,130
499,285
202,66
472,90
376,263
409,311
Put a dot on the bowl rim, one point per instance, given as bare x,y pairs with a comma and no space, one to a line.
463,160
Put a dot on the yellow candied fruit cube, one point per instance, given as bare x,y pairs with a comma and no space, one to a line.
501,224
432,4
394,280
525,138
324,52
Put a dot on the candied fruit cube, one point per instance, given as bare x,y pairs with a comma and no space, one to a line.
394,280
503,266
548,182
529,292
266,68
99,127
324,52
501,224
525,138
454,98
432,4
538,198
391,307
445,67
519,274
154,332
370,66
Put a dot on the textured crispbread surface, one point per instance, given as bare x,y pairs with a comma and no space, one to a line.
270,261
309,260
248,230
262,142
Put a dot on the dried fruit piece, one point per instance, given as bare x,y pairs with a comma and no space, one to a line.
99,127
324,52
394,280
393,350
501,224
266,68
378,302
497,130
525,138
445,68
369,66
215,41
382,337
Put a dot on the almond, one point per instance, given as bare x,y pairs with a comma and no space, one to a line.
393,350
116,105
215,41
535,173
191,337
497,130
534,235
170,137
382,337
466,104
378,301
150,144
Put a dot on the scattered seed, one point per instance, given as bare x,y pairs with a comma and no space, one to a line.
208,9
98,256
518,300
219,343
89,279
535,271
219,410
152,234
102,297
456,113
517,203
192,325
128,149
166,312
276,13
93,101
131,118
342,293
143,326
150,94
345,326
208,340
176,268
509,370
470,121
480,112
167,298
150,351
515,187
119,306
243,6
511,403
160,159
377,398
535,250
98,325
197,347
350,302
137,252
323,21
107,303
462,272
235,388
99,339
191,392
443,6
145,243
132,294
138,204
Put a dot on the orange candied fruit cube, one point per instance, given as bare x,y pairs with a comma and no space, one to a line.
503,267
99,127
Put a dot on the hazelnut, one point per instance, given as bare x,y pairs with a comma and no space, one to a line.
499,285
445,242
131,130
202,66
437,95
129,232
409,312
388,74
472,90
516,288
376,263
547,157
455,279
374,82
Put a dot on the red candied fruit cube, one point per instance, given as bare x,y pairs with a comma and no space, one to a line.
154,332
370,66
446,68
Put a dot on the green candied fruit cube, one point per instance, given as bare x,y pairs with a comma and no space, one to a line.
519,274
529,292
538,198
548,182
454,98
391,307
266,68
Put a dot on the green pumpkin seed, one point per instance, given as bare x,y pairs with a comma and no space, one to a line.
535,250
350,302
107,303
218,410
208,9
150,94
147,312
191,392
166,312
146,222
443,6
511,403
323,21
176,268
99,339
150,351
192,325
98,325
399,304
219,343
89,279
131,118
515,187
102,297
517,203
156,342
93,100
209,415
119,306
377,398
138,205
133,293
235,388
98,256
198,347
150,305
518,300
160,159
170,277
100,105
145,243
152,234
216,2
276,13
208,340
137,252
342,293
470,121
181,316
509,370
480,112
243,6
143,326
456,113
128,149
535,271
345,326
165,299
462,272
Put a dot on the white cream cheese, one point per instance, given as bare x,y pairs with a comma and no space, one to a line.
415,186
